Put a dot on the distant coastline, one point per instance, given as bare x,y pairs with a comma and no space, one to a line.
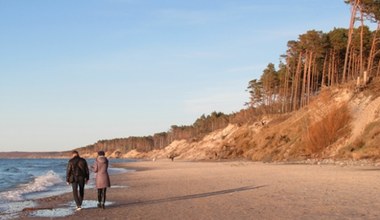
34,155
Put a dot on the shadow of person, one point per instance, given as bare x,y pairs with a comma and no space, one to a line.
194,196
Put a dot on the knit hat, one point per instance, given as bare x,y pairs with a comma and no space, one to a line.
101,153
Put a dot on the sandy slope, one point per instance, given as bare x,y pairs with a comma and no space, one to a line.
365,111
237,190
281,137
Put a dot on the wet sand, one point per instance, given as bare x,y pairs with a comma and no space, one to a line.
230,190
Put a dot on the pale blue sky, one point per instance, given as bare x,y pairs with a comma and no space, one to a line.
74,72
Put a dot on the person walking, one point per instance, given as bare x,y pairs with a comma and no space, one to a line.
102,180
77,174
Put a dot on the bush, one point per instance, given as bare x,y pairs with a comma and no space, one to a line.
333,125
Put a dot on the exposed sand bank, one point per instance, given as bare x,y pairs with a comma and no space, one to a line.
232,190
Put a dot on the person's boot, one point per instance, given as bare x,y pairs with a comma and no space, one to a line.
99,205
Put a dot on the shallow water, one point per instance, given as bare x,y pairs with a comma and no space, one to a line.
11,210
67,210
23,180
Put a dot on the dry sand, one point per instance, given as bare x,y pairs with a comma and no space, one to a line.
234,190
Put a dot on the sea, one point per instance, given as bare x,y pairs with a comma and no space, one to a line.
24,180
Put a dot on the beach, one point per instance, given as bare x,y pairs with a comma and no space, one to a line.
227,190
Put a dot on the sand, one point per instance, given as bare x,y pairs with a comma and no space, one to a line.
230,190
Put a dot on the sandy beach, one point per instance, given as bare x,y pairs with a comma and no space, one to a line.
230,190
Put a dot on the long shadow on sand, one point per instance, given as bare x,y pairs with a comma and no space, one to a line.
194,196
368,169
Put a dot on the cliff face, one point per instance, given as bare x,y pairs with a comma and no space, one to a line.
340,123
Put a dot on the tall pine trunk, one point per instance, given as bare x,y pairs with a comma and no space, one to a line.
296,83
350,32
372,52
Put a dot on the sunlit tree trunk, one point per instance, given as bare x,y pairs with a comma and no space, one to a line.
333,72
361,41
350,32
303,90
325,61
351,65
287,91
375,41
297,82
309,67
330,68
315,77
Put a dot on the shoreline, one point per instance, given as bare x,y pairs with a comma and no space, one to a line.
229,190
46,182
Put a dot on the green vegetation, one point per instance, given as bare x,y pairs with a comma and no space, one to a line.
318,60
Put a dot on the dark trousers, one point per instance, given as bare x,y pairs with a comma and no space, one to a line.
102,196
78,196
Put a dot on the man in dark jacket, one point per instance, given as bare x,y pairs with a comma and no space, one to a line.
77,174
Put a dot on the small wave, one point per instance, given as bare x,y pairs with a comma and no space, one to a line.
116,170
11,210
11,170
39,183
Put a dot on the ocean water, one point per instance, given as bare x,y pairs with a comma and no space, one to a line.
22,180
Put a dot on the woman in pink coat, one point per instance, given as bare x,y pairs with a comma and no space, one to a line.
102,179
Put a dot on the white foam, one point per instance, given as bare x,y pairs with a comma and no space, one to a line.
116,170
40,183
11,210
67,210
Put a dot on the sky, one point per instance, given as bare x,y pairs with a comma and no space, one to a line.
75,72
